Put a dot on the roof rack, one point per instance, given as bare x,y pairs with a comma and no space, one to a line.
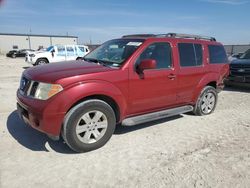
139,35
178,35
172,35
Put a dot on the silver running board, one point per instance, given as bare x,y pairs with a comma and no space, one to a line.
156,115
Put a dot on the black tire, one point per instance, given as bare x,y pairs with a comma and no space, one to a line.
74,116
199,107
41,61
13,55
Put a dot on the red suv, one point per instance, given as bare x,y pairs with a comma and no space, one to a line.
127,81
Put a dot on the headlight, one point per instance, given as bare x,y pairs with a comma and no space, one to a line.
32,55
44,91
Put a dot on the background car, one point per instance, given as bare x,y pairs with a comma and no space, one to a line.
240,71
57,53
235,56
18,53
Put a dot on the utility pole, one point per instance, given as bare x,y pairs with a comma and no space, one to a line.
90,41
29,39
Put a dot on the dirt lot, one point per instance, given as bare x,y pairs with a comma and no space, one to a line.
184,151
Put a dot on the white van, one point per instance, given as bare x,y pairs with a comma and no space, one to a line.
57,53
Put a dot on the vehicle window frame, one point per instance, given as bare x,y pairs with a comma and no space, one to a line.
69,52
61,54
195,54
157,69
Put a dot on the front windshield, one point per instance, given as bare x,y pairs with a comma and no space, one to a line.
49,48
246,55
114,52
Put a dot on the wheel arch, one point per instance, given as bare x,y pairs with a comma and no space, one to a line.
95,89
208,80
109,100
42,58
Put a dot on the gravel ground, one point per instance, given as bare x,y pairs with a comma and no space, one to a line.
183,151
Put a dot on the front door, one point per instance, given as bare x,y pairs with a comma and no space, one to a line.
157,88
59,54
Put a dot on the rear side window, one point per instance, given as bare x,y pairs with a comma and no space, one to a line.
190,54
217,54
70,51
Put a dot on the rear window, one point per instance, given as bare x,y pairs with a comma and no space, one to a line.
190,54
217,54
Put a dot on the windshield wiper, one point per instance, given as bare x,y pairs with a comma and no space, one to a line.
100,62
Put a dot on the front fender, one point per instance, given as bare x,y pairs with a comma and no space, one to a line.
71,95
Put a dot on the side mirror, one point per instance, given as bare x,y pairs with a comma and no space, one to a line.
144,65
147,64
52,52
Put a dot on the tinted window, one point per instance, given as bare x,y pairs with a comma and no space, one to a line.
198,54
61,51
82,49
160,52
49,48
187,55
246,55
217,54
70,51
190,54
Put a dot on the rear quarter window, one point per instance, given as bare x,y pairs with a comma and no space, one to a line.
217,54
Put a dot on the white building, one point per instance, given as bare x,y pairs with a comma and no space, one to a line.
29,41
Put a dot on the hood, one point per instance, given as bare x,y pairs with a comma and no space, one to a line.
51,73
40,52
241,62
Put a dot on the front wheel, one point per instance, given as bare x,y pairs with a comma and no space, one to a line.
89,125
41,62
206,102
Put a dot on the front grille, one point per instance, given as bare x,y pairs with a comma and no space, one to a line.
240,69
28,87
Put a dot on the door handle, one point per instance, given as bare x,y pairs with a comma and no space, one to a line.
172,76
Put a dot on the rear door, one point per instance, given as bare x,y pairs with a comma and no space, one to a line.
70,53
191,61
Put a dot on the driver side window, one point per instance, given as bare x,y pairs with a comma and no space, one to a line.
160,52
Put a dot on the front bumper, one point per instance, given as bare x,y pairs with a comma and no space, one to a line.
30,60
238,80
37,114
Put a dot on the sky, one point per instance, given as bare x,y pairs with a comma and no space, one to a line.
96,21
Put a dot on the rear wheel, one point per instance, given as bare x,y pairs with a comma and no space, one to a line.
79,58
41,62
206,102
89,125
13,56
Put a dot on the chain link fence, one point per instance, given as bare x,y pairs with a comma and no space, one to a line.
235,49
